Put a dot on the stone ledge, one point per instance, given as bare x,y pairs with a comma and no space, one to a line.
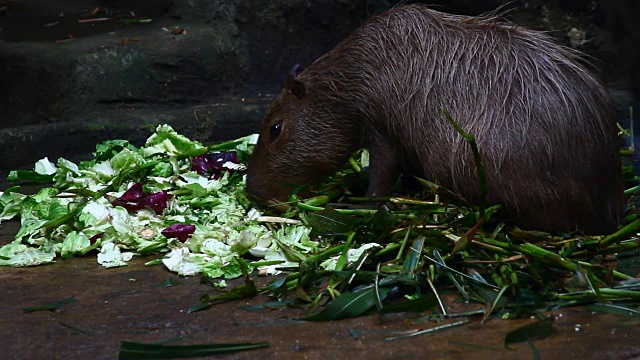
75,140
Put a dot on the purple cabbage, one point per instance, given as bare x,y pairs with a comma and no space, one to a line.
157,201
132,198
94,238
211,165
179,231
135,199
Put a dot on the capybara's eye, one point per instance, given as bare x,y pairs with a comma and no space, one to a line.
275,129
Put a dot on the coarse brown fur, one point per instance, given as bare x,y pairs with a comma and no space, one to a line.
544,126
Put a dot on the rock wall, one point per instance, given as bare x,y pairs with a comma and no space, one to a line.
211,67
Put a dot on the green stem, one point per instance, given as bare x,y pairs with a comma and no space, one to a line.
554,258
632,190
604,292
619,248
354,164
476,155
366,199
621,234
530,249
325,254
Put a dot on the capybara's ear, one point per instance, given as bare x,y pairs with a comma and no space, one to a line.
295,70
294,87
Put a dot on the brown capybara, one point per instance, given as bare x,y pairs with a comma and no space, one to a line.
544,126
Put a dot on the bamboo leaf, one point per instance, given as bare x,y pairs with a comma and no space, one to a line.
413,257
133,350
50,306
349,305
331,221
423,303
466,238
613,309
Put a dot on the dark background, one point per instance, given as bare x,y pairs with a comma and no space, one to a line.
210,68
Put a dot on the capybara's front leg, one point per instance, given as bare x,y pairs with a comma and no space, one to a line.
383,167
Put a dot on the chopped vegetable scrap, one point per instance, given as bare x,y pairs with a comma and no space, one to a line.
173,195
176,197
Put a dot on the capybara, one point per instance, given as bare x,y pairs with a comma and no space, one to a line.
544,126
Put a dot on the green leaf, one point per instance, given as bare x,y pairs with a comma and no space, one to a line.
203,303
244,291
350,305
423,303
466,238
29,175
126,159
80,330
133,350
168,141
162,170
17,254
331,221
343,259
242,145
613,309
74,243
49,306
413,257
10,203
530,236
276,284
444,193
55,210
383,221
108,149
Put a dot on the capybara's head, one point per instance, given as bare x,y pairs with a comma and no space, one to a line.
301,141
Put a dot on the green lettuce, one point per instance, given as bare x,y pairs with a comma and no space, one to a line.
76,214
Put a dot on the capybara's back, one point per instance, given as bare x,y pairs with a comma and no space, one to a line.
545,127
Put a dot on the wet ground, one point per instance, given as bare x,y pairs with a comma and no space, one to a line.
133,303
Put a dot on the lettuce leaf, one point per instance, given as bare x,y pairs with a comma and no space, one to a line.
79,213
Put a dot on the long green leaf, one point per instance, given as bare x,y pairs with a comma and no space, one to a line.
49,306
133,350
349,305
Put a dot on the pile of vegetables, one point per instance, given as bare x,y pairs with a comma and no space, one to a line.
175,197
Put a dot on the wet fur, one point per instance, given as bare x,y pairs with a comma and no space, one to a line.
544,125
